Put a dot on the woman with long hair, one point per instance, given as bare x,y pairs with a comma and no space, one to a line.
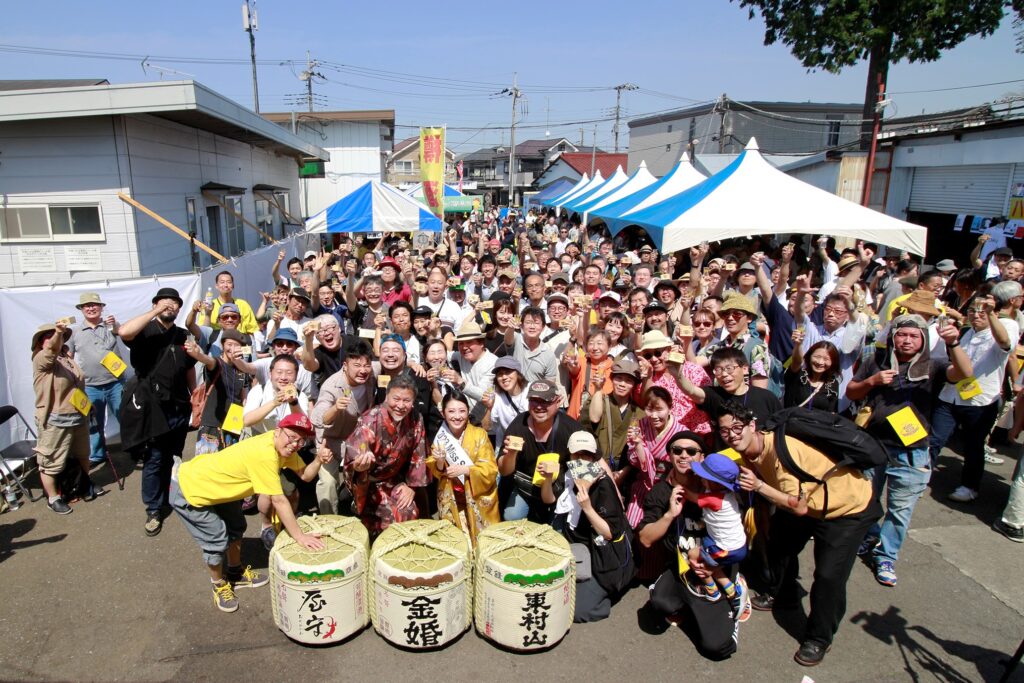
812,381
462,461
506,400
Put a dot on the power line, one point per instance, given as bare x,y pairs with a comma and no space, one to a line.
956,87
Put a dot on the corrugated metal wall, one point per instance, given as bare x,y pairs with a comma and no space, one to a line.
975,190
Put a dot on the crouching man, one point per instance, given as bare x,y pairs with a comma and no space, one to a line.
207,494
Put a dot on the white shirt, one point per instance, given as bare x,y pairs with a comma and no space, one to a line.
989,362
449,312
829,278
725,526
264,393
477,377
504,411
303,382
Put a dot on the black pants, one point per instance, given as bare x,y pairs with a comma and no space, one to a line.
835,550
711,624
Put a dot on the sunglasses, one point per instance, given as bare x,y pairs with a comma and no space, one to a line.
651,354
735,315
689,450
230,316
703,324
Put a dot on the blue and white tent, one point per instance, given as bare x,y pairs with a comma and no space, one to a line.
640,179
374,207
752,197
596,181
571,192
682,177
618,179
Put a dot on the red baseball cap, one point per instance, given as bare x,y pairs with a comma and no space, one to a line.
388,261
298,422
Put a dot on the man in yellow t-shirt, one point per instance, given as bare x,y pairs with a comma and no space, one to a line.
207,494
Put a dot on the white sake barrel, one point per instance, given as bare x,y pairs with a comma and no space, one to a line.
319,597
422,583
525,585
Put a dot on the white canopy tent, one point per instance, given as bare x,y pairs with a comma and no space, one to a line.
640,179
597,180
682,177
752,197
571,192
617,180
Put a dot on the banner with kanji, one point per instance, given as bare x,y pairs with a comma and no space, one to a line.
432,168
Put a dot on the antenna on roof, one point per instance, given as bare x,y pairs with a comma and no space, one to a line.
161,70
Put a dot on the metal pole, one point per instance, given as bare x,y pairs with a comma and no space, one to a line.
618,108
870,170
593,152
255,84
309,83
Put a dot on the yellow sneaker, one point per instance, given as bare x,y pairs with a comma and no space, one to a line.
249,578
224,597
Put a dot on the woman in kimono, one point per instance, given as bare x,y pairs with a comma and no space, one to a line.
462,461
385,459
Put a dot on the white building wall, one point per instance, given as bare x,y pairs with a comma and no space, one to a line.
355,149
74,161
661,147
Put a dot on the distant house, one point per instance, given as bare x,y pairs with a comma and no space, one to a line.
358,143
403,164
199,160
572,165
488,166
727,125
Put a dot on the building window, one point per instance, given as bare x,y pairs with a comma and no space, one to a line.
264,219
236,238
670,128
834,126
403,167
51,223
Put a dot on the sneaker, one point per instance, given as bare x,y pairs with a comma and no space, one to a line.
867,545
60,507
94,493
154,524
811,653
993,460
249,578
1013,533
743,611
885,574
224,597
763,602
963,495
268,536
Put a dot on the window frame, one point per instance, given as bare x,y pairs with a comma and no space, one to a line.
55,239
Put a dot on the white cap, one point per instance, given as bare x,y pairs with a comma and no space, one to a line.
614,296
582,441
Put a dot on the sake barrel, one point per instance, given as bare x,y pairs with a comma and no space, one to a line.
525,585
319,596
421,583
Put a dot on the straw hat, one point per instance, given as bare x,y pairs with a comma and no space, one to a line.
89,298
847,261
738,302
654,340
469,331
43,329
921,301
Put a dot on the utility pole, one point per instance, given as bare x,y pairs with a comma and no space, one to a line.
250,26
870,169
515,93
308,75
721,124
618,108
593,152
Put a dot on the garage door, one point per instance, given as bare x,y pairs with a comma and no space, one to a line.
974,190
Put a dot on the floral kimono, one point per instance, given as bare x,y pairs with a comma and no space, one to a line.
686,413
471,505
652,466
399,452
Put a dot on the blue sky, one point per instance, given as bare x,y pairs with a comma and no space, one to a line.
678,52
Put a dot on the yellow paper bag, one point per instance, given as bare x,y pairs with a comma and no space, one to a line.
80,401
538,478
233,420
114,364
684,562
968,388
732,454
908,428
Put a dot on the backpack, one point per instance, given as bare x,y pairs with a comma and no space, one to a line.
842,441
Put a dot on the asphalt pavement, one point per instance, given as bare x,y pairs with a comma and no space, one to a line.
89,597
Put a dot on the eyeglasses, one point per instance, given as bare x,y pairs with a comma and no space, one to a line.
651,354
702,323
541,402
230,316
733,314
689,450
835,310
296,440
976,311
725,369
735,430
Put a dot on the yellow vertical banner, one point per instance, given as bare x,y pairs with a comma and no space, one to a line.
432,168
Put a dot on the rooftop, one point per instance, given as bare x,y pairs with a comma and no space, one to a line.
605,162
774,107
185,102
39,84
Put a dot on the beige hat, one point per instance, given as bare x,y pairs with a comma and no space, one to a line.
469,331
738,302
582,441
921,301
89,298
43,329
654,340
847,261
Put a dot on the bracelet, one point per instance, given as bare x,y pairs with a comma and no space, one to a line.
953,345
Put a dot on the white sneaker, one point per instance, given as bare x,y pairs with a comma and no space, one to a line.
993,460
963,495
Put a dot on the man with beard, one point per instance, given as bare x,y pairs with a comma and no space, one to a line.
156,409
344,396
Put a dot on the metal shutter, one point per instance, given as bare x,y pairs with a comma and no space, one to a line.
974,190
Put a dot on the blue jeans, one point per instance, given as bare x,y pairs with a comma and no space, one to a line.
517,507
907,476
157,461
975,423
102,397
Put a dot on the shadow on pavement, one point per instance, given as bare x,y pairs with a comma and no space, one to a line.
916,647
10,532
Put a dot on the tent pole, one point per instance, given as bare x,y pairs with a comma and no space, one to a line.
171,226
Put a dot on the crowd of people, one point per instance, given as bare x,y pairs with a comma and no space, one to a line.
529,368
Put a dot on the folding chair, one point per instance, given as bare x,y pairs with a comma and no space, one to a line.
18,460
